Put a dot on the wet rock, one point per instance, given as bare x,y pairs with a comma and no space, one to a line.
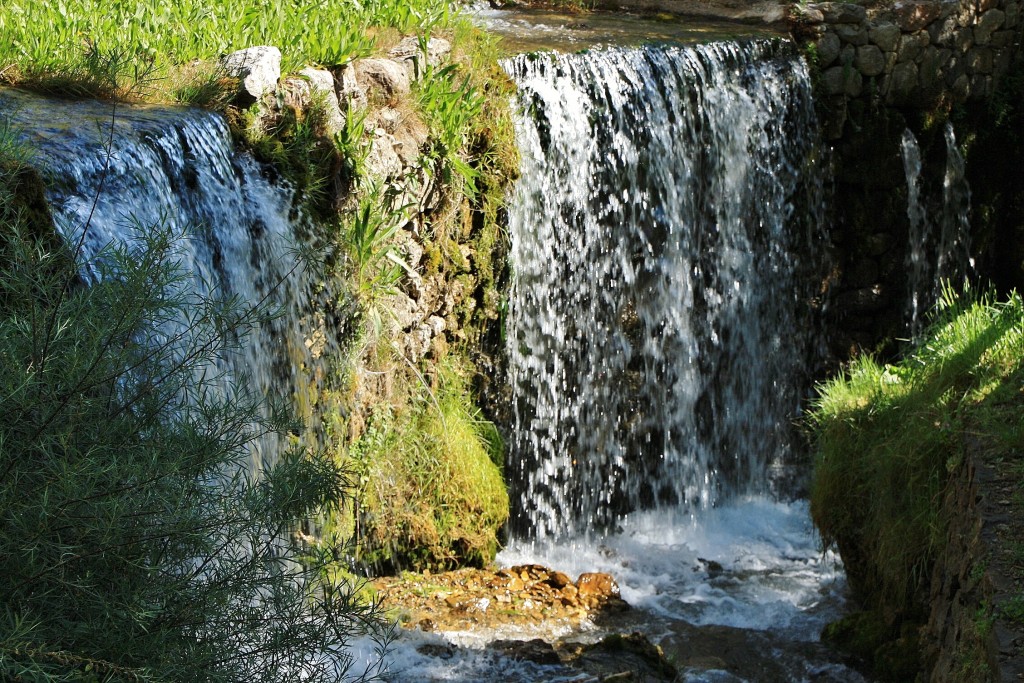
828,49
535,650
259,69
597,585
629,658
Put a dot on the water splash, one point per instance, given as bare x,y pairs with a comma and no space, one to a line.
662,231
114,172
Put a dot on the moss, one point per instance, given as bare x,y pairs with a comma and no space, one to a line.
430,493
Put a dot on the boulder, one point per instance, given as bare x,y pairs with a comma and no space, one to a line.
351,95
987,24
259,68
597,585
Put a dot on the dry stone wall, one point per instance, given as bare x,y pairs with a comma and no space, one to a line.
917,54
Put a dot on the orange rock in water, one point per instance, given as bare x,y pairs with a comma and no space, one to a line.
597,585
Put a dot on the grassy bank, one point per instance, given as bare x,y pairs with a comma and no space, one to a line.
89,47
889,437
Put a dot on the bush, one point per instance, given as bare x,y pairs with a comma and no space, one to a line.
134,542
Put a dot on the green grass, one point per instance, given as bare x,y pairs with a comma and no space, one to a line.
87,47
431,493
889,436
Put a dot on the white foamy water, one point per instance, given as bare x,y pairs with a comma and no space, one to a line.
754,564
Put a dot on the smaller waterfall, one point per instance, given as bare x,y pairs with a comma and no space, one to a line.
117,172
930,260
919,279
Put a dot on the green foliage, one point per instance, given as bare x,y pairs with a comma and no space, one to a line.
135,545
432,494
889,436
450,104
75,38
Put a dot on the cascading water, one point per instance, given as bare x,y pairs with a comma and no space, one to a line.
662,228
930,260
178,168
919,235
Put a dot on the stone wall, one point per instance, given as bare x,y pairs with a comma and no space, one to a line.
879,70
914,54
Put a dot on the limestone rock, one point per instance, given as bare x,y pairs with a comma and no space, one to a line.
258,67
310,84
408,54
382,77
597,585
351,95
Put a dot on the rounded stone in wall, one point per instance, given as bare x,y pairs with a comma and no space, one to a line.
885,35
902,82
828,49
980,61
853,34
987,24
869,60
841,12
944,31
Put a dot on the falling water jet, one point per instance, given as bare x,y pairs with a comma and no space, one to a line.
934,260
662,231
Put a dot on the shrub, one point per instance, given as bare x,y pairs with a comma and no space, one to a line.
135,544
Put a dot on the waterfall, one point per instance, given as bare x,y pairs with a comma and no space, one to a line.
116,172
663,231
931,262
919,279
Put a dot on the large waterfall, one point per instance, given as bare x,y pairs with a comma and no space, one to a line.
665,229
116,170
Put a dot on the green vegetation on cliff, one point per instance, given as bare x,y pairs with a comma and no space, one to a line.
889,440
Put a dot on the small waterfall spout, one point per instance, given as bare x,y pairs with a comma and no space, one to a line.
930,260
663,226
113,175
